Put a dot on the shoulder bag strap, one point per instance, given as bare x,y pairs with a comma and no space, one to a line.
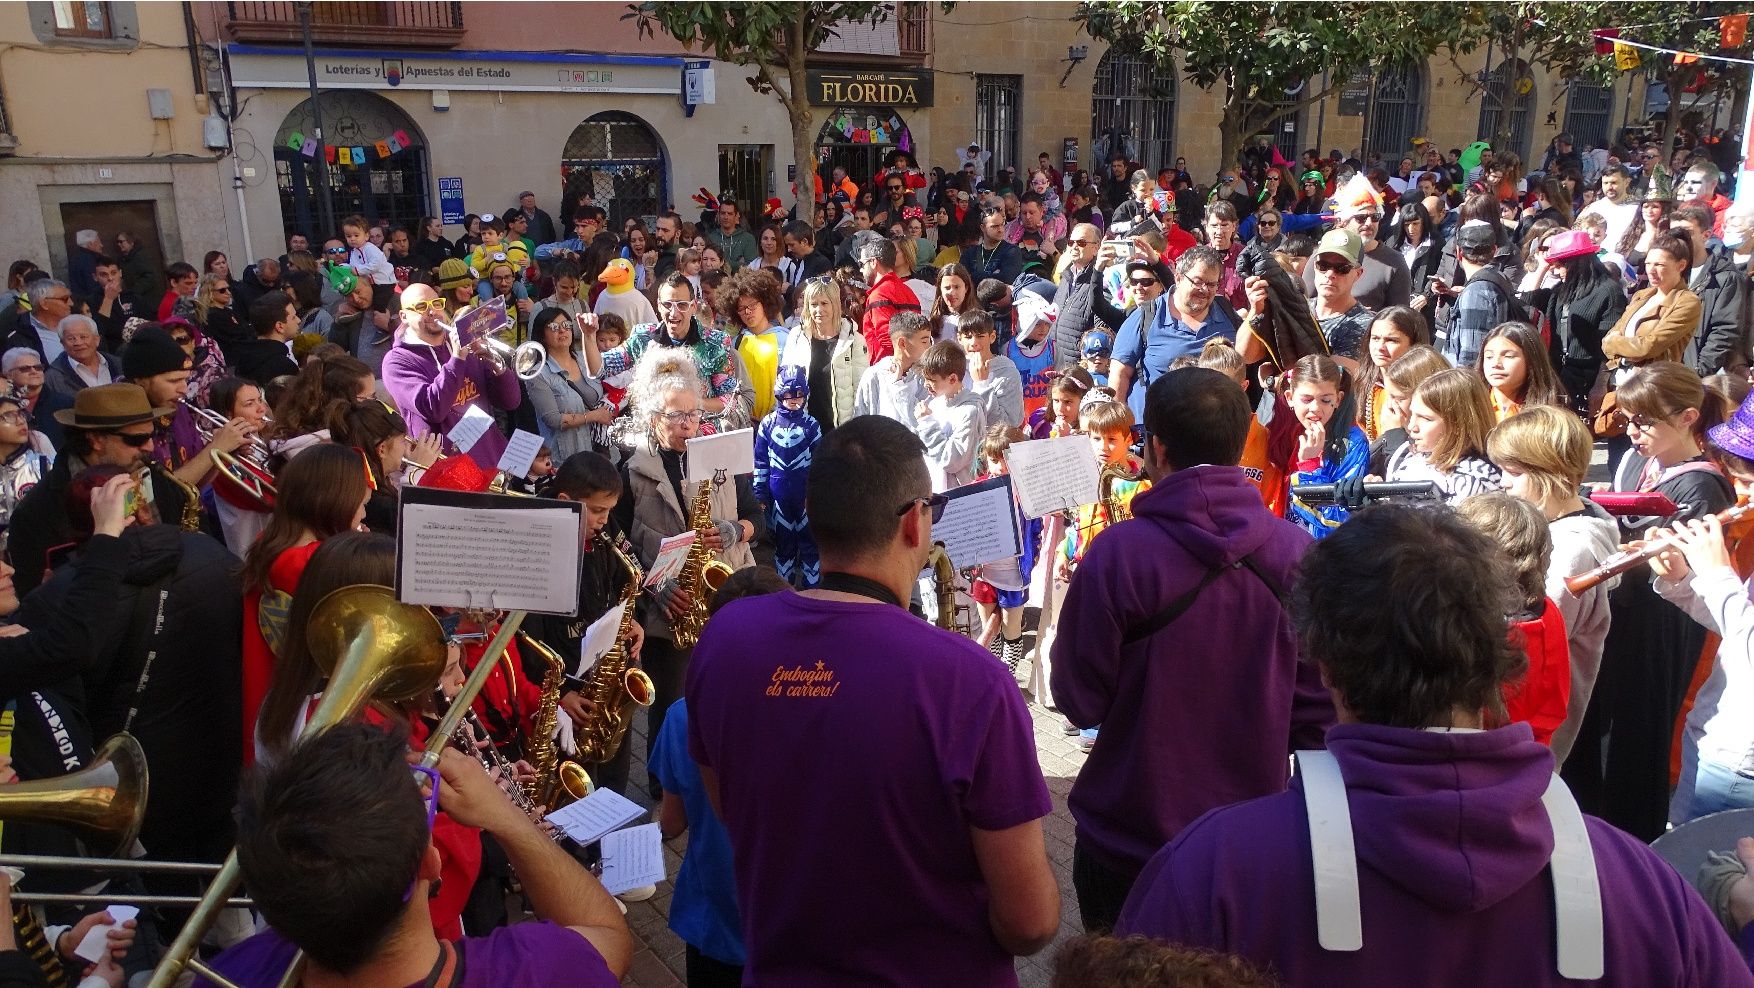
1339,917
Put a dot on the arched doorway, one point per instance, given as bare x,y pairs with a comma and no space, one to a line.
1396,110
859,141
1133,111
388,182
1507,108
616,159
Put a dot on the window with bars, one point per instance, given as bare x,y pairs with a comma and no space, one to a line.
1589,113
996,102
1507,108
82,19
617,160
1133,110
1396,110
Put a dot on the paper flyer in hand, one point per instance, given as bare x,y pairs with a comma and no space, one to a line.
672,553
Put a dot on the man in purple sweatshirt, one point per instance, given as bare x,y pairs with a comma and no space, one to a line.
1450,854
432,386
1173,638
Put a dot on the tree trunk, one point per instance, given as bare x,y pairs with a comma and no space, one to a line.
1671,81
798,108
1230,128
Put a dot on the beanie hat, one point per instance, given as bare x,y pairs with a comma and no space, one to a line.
152,352
453,273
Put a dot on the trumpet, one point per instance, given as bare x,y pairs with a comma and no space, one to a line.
243,481
1626,559
526,359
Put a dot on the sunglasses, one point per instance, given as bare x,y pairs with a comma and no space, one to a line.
936,502
134,439
1142,282
336,250
896,188
1269,222
1337,267
426,305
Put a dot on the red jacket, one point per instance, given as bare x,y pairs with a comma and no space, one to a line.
1540,697
258,657
888,295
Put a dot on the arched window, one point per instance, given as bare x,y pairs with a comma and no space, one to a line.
618,162
1507,108
1133,111
381,176
1395,110
861,139
1589,113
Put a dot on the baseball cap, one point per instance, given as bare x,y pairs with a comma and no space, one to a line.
1342,242
1154,268
1476,234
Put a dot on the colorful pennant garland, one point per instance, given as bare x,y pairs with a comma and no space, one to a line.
384,147
1732,33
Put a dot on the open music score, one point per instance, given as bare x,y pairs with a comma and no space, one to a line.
1053,474
485,551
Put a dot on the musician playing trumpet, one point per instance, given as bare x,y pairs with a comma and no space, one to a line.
434,380
153,360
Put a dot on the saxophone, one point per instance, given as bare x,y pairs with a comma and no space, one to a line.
943,586
701,574
539,748
1118,510
615,687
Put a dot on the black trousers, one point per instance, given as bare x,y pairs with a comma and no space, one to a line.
704,972
1102,891
668,667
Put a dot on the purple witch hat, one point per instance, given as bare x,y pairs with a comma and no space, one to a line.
1736,436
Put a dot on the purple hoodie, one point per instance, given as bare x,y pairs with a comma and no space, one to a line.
1205,712
1452,846
431,388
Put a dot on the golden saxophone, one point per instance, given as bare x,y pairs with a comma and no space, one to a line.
615,687
539,748
701,574
943,586
1112,473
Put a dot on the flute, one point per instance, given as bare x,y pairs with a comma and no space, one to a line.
1626,559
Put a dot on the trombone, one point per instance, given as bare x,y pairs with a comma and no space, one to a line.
243,480
372,645
103,804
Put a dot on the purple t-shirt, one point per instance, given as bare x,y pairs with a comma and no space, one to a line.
528,955
855,745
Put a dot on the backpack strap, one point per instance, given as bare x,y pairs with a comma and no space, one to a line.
1577,890
1339,917
1180,605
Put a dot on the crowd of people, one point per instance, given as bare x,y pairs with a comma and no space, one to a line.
1343,411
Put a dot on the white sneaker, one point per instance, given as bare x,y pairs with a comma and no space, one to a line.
640,894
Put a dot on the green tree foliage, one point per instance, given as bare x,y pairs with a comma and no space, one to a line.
773,39
1253,53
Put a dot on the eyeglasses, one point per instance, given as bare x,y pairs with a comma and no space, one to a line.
1644,423
13,418
675,303
1198,285
936,502
1269,223
1336,267
677,418
426,305
135,440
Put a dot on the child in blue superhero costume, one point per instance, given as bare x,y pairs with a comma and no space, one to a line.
784,444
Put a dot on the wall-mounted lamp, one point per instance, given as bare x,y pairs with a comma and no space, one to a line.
1074,55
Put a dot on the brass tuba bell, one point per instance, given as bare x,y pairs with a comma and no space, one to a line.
371,645
103,803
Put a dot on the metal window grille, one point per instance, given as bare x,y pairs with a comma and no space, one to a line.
1589,113
616,159
1396,110
997,99
1504,110
1133,110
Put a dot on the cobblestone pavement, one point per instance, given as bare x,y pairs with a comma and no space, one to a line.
658,960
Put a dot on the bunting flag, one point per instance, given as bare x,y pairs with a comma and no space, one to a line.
309,147
383,149
1733,30
1605,39
344,156
1625,57
295,140
1686,58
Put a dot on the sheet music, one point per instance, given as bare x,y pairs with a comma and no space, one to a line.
1053,474
599,813
599,638
672,553
488,317
523,559
520,452
633,857
470,428
732,452
979,524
